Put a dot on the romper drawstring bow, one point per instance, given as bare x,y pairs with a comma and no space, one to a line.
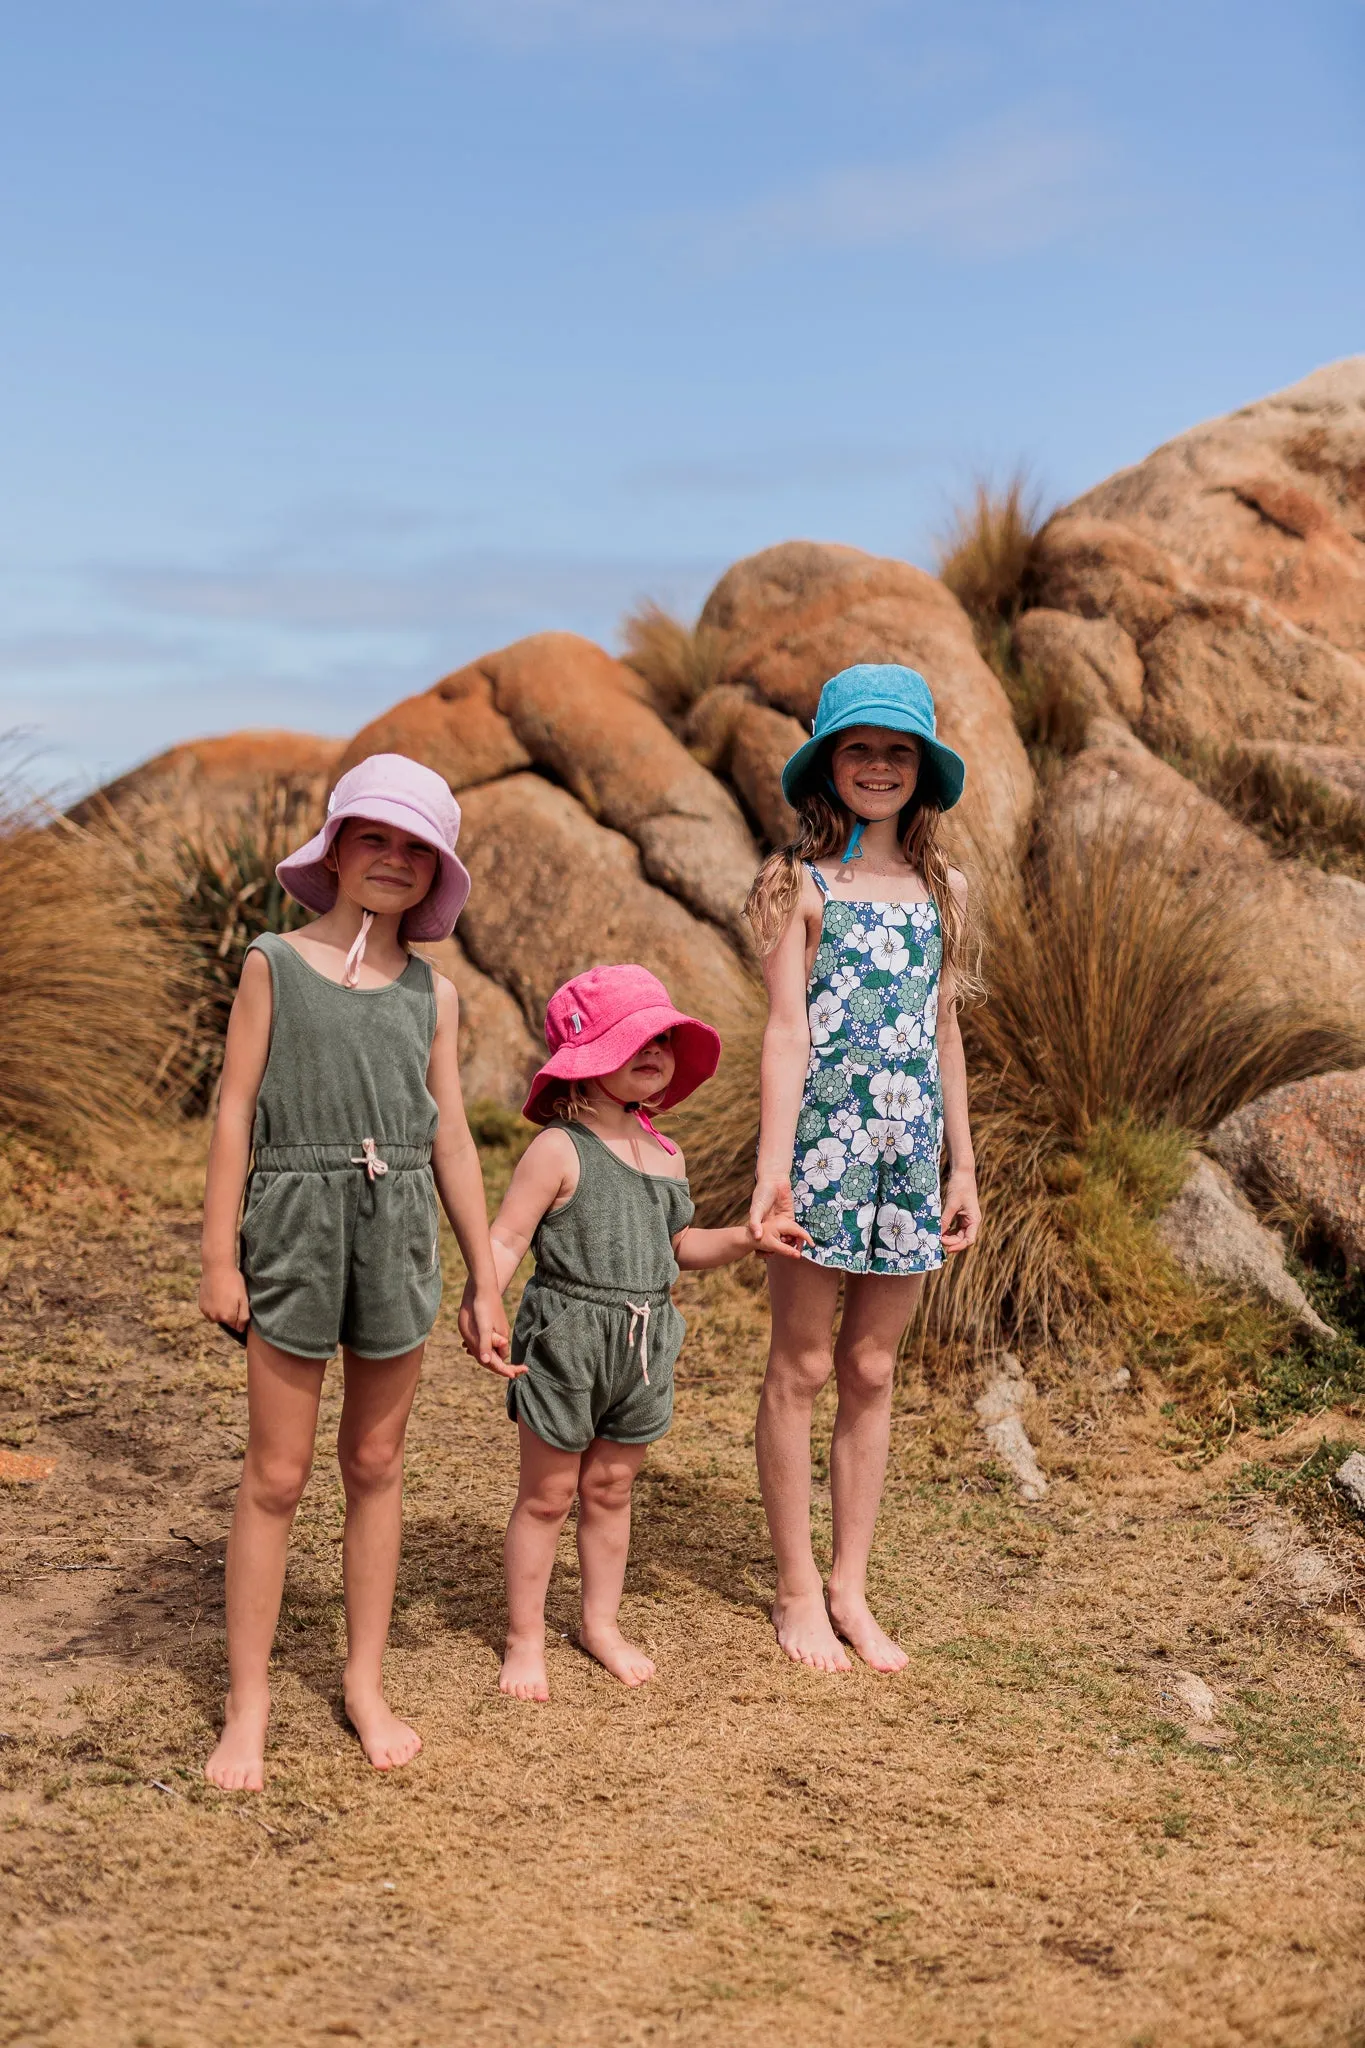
639,1317
369,1158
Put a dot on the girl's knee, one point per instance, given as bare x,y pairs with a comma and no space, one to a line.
274,1483
549,1497
607,1485
866,1371
800,1371
370,1466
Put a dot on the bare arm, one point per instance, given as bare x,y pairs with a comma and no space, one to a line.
545,1175
222,1290
782,1073
697,1251
459,1183
961,1206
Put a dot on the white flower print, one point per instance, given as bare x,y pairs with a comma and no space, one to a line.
826,1015
900,1038
882,1087
864,1220
801,1194
858,938
893,913
845,1122
886,951
879,1139
903,1099
843,982
897,1231
824,1163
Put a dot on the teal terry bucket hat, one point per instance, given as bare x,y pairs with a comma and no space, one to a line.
877,693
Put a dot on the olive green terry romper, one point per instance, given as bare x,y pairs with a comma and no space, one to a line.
340,1233
597,1327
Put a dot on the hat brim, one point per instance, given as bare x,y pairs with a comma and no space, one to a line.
311,882
696,1052
941,776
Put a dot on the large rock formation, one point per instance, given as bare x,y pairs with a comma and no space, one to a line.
204,783
789,618
1304,1145
1233,561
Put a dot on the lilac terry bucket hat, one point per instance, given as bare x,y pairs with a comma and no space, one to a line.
388,789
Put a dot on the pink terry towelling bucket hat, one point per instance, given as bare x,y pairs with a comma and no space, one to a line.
601,1018
388,789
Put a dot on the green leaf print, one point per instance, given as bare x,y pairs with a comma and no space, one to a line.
920,1174
831,1085
857,1184
809,1125
867,1004
822,1222
826,960
838,919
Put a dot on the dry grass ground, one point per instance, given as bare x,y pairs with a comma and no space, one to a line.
1015,1842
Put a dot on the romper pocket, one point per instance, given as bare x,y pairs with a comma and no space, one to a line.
565,1348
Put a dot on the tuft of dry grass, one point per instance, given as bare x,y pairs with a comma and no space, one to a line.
1299,816
680,663
985,554
93,992
1124,1016
226,895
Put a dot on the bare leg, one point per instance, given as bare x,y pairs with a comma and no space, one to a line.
374,1420
545,1491
876,1311
605,1479
282,1417
799,1362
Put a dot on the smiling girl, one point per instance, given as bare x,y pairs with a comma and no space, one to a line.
341,1095
863,929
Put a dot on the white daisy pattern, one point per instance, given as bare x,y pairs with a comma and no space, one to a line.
866,1187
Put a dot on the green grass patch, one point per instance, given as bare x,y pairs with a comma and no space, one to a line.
1296,813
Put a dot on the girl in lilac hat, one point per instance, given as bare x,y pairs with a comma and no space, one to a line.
340,1119
601,1198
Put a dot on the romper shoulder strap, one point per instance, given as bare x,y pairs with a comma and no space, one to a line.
821,884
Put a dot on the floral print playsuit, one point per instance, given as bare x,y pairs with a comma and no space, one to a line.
865,1175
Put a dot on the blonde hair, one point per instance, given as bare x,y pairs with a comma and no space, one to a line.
823,825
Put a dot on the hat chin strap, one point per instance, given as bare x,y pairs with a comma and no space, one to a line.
854,850
641,1116
350,973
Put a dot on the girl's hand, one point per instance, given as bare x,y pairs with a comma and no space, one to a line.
222,1297
483,1331
961,1212
782,1236
772,1198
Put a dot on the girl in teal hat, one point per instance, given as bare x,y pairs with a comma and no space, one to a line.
865,940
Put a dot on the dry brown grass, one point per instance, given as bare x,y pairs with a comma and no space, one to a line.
679,663
1015,1841
1299,816
985,554
93,991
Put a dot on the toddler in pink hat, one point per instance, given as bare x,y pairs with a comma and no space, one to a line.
340,1119
601,1198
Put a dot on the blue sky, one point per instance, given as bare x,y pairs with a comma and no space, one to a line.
345,339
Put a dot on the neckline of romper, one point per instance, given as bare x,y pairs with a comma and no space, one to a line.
340,987
868,902
677,1180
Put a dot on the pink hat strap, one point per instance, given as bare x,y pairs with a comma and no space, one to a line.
641,1116
350,973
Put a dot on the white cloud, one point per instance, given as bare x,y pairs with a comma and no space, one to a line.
1013,188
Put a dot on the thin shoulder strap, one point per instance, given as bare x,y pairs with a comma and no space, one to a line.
821,884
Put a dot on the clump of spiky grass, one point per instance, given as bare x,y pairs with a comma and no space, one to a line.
986,553
680,663
93,989
1125,1015
225,895
1297,814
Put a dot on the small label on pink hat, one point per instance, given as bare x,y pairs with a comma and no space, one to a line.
575,1020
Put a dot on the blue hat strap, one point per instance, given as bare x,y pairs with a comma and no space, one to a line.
854,849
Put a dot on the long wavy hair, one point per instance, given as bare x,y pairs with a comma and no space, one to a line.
823,825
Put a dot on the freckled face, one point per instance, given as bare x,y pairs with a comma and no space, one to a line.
875,770
646,1074
380,867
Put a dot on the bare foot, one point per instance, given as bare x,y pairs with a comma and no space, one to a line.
386,1741
238,1762
615,1654
523,1675
855,1622
804,1632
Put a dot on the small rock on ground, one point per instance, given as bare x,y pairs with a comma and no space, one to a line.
1210,1227
1002,1425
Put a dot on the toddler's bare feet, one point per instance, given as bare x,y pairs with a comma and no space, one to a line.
386,1741
804,1632
523,1675
238,1762
856,1623
615,1654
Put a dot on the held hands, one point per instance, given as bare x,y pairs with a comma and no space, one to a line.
779,1234
772,1202
483,1330
223,1298
961,1212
